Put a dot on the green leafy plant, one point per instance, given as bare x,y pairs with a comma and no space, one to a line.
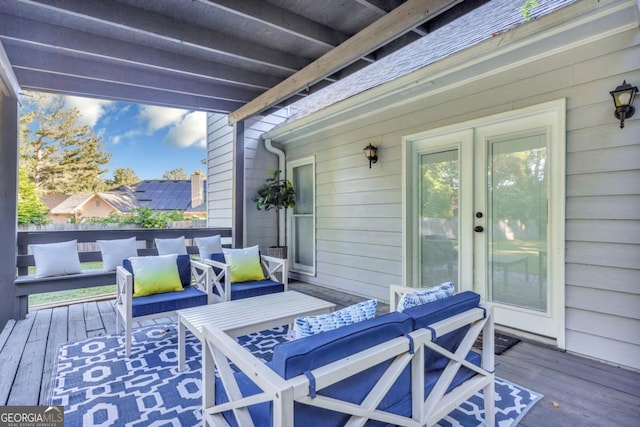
143,217
275,194
527,8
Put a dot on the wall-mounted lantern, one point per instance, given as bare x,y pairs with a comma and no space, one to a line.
623,97
370,152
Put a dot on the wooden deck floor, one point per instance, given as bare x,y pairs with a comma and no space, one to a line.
578,391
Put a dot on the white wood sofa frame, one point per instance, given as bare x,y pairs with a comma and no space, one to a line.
28,284
220,350
202,279
272,266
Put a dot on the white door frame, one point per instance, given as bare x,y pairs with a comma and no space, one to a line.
553,114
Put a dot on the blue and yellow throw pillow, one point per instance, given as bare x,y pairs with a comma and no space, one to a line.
423,296
155,275
245,264
311,325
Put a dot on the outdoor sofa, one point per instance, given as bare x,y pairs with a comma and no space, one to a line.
194,289
225,289
409,369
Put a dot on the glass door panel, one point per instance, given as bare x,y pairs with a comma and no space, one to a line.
517,221
439,197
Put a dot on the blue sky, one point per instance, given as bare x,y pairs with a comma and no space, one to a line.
148,139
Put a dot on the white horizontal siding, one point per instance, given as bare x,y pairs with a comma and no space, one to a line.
219,171
359,210
259,225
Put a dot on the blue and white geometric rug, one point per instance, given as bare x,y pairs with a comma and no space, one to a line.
98,386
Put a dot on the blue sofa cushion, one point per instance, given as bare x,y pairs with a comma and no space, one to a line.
427,314
168,301
184,268
254,289
218,257
293,358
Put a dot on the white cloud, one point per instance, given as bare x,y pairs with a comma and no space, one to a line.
90,109
127,136
191,130
160,117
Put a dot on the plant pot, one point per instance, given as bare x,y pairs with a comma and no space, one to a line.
277,251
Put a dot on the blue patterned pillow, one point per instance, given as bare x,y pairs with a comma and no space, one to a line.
311,325
423,296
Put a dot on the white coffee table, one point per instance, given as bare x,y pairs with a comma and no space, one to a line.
243,316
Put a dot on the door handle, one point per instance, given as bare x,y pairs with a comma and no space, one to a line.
478,229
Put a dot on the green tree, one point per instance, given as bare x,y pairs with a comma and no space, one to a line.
59,154
175,174
123,176
31,210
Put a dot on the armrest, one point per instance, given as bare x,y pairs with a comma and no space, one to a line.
219,352
124,287
203,278
219,280
276,265
395,292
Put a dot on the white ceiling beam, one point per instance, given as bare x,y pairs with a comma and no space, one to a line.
29,58
125,18
71,85
28,32
390,26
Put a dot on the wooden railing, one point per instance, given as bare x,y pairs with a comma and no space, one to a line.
27,284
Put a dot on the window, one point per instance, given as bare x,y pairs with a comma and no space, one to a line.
302,236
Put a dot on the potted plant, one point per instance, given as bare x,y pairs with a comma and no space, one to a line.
276,194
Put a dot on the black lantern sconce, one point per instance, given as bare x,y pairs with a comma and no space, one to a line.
370,152
623,97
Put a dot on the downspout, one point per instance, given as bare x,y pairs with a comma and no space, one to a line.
281,166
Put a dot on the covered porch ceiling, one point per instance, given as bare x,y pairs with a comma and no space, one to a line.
239,57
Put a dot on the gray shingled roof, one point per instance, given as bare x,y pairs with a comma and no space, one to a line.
483,23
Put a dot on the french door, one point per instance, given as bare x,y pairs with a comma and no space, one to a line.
486,211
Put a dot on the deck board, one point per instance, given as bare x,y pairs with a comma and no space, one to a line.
12,353
587,392
57,336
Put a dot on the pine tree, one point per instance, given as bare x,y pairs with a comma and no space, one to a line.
59,154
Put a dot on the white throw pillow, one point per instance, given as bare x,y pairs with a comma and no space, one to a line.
171,246
423,296
209,245
311,325
56,259
114,251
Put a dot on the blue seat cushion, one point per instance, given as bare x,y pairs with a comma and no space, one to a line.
184,269
168,301
432,312
253,289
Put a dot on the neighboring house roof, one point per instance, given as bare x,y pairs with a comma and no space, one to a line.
122,201
485,22
72,203
161,194
53,200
